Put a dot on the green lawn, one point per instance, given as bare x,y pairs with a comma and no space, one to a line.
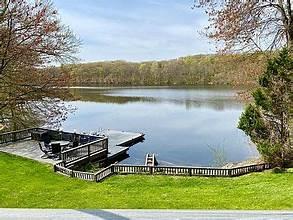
29,184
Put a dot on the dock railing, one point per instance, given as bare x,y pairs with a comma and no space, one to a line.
68,136
84,151
120,169
13,136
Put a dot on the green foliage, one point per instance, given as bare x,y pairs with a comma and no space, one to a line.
271,152
261,99
28,184
278,170
252,123
267,121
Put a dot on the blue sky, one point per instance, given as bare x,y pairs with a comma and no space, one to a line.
135,30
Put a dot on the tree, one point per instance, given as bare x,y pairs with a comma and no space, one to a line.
32,40
267,121
249,24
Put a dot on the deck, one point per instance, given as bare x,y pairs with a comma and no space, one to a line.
28,149
118,143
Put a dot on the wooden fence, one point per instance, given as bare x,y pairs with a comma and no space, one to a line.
97,177
189,171
104,173
162,170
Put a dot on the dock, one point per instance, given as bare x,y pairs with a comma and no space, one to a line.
105,145
120,141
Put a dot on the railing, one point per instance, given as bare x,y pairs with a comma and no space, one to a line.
89,145
73,173
238,171
97,177
162,170
84,151
132,169
83,175
171,170
68,136
104,173
14,136
189,171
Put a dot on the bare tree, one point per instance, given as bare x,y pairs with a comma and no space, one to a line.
249,24
32,39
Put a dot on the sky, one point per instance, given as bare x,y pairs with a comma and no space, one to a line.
135,30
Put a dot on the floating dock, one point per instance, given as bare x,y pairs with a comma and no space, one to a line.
119,142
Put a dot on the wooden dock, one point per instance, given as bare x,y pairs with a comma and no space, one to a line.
105,145
120,141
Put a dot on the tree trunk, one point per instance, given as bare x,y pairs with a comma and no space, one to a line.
290,36
290,25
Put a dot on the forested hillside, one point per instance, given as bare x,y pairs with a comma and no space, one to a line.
234,70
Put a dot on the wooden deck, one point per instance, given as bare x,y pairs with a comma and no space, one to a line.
120,141
28,149
118,144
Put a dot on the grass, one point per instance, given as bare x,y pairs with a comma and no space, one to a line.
28,184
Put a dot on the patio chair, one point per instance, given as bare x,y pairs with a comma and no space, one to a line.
47,152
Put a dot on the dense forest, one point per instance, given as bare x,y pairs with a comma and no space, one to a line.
236,70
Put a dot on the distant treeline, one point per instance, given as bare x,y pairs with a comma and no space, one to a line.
236,70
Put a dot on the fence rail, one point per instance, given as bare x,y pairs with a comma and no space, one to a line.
163,170
104,173
84,151
189,171
60,168
83,175
69,136
14,136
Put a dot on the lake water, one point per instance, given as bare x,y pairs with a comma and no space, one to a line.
182,126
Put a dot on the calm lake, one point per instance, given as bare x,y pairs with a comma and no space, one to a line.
182,126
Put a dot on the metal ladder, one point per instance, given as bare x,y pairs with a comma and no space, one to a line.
151,160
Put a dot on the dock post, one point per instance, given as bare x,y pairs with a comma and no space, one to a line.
151,170
229,172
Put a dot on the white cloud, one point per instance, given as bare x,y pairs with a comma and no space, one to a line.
147,31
